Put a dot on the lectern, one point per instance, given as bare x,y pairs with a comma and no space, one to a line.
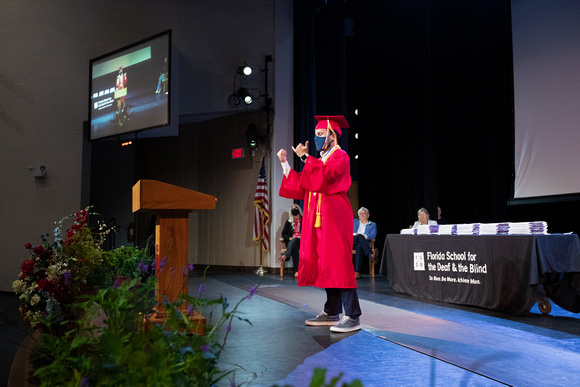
171,205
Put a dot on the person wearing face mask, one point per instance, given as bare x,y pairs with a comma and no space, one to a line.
291,235
326,240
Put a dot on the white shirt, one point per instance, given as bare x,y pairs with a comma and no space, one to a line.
361,229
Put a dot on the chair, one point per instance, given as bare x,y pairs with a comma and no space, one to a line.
372,259
282,251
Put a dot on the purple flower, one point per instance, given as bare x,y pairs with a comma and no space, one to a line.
163,263
228,328
190,266
85,382
67,276
252,291
201,288
205,348
143,266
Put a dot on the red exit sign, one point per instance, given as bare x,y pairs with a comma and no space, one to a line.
238,153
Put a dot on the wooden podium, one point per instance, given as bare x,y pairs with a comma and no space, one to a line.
171,205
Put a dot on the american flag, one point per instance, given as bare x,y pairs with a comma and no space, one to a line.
262,214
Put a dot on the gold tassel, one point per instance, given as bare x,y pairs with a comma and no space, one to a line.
317,223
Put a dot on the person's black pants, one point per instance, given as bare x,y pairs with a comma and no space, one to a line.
362,248
337,298
293,250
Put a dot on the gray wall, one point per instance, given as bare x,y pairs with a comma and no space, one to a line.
45,48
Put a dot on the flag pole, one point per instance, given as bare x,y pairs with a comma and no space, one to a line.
261,270
262,215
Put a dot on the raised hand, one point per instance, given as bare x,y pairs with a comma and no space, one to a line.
282,155
301,149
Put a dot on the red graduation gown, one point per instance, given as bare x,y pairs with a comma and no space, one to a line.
325,251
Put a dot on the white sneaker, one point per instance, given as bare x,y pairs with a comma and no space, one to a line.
323,319
347,324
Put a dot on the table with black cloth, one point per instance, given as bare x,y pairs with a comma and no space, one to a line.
498,272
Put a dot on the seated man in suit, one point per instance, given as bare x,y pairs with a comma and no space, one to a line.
364,231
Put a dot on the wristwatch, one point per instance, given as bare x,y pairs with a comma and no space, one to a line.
304,157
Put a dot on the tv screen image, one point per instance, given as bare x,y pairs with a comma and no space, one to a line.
129,88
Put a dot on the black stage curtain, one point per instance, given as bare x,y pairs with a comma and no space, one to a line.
320,70
435,100
432,81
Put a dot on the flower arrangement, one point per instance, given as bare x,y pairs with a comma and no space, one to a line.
108,338
120,351
52,278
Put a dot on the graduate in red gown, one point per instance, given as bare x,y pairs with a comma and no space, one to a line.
326,242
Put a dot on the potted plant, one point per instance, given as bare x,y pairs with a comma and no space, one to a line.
129,262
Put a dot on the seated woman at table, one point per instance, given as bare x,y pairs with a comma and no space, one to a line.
291,234
423,218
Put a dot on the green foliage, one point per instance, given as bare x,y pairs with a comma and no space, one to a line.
319,380
124,350
115,338
127,261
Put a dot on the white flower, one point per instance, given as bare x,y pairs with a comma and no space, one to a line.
18,286
35,299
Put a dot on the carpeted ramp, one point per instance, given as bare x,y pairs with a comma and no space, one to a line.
377,362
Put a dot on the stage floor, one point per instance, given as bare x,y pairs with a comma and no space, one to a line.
405,341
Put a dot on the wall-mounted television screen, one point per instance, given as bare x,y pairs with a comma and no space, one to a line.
130,88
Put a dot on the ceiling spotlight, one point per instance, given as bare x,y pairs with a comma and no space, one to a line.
248,99
244,70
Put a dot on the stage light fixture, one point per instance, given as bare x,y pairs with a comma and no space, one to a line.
242,94
252,136
244,70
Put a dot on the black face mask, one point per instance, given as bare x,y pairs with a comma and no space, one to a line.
295,211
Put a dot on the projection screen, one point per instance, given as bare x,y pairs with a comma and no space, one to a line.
546,61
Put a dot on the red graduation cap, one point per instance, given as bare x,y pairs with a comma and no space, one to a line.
332,122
